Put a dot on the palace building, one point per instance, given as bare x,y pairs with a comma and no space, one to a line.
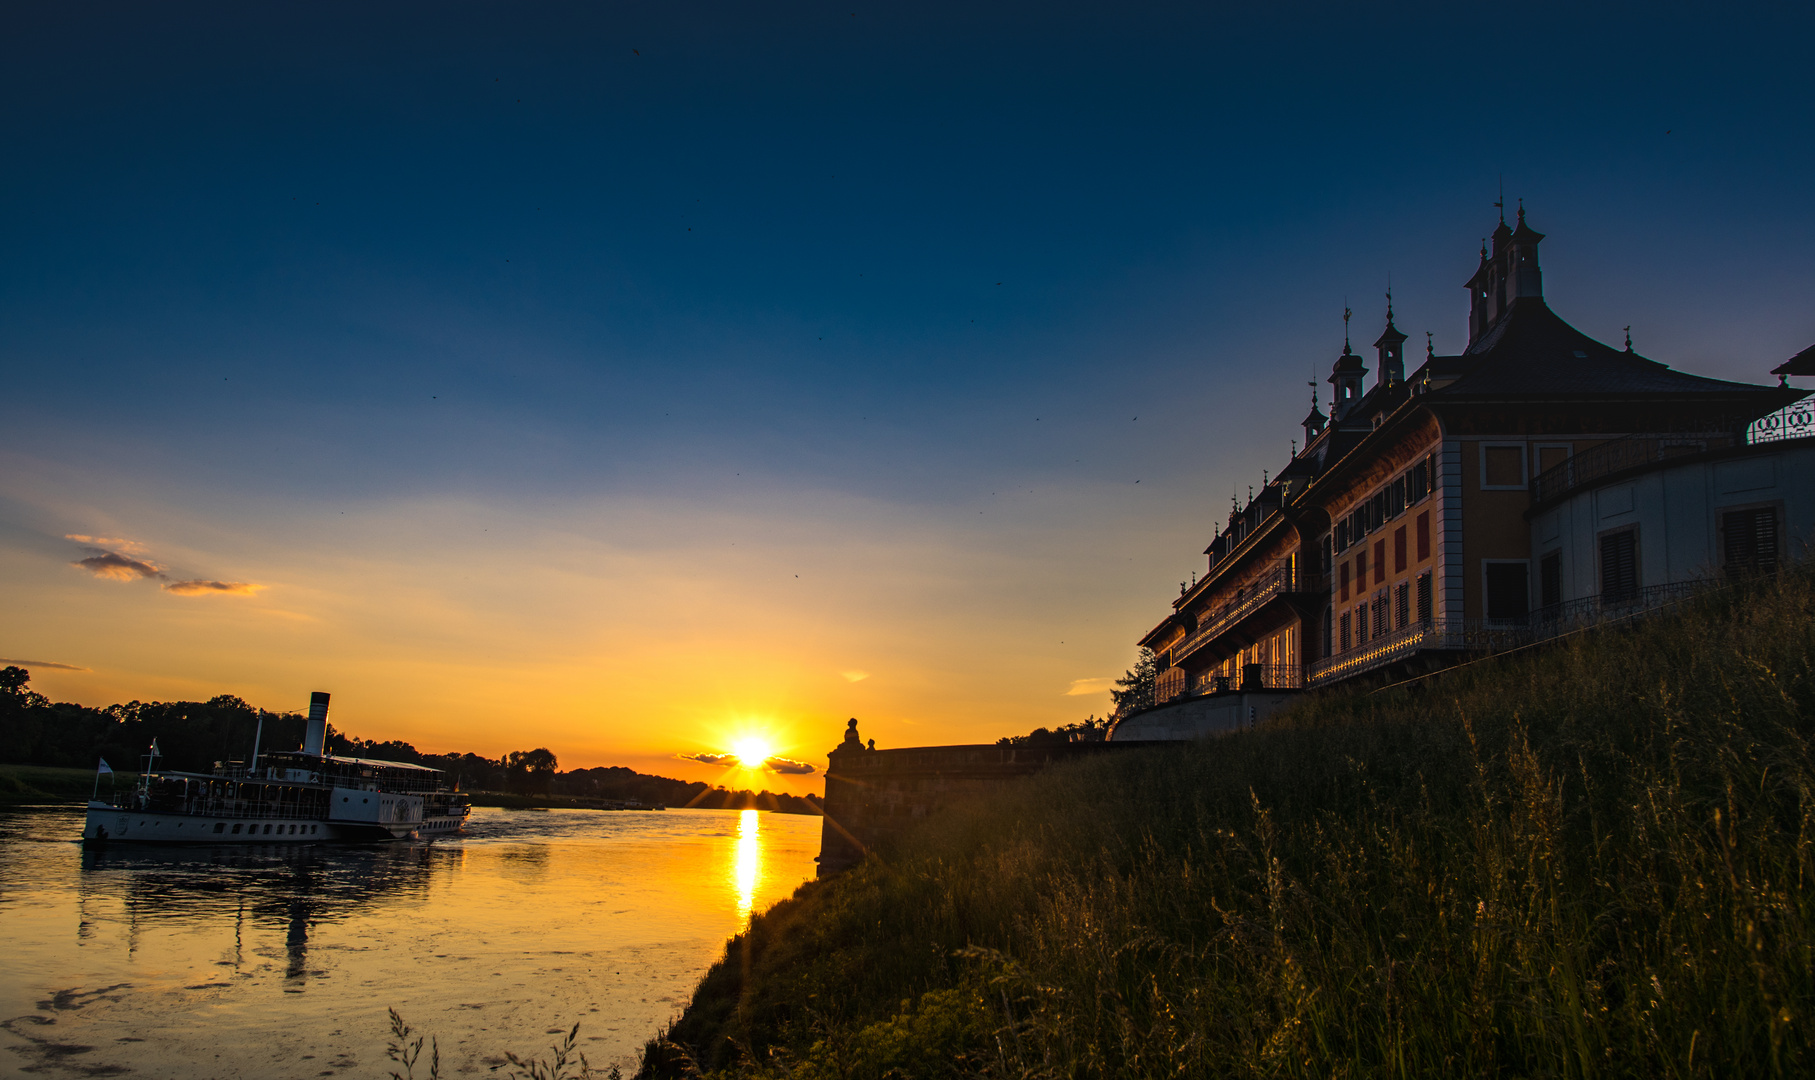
1474,502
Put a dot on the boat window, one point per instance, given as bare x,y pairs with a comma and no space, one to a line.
236,828
220,826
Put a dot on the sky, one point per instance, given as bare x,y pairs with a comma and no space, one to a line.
632,380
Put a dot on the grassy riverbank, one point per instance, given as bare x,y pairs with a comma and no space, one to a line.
1593,860
27,785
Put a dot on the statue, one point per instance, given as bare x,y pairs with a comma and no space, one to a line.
851,740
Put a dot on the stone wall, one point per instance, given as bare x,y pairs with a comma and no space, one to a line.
872,796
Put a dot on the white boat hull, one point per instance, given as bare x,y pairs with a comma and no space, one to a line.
106,823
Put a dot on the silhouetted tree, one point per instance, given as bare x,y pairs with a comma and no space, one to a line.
1136,684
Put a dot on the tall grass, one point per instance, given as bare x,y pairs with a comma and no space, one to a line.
1588,861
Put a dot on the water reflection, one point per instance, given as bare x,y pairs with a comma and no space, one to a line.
279,962
289,887
747,866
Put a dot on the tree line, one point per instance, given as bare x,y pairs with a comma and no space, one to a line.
195,736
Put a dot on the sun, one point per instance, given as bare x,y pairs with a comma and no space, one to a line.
753,750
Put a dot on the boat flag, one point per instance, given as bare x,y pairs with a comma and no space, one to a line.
104,767
154,748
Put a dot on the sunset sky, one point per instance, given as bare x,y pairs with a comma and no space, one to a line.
630,380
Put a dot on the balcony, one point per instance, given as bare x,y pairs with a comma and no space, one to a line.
1795,422
1619,455
1283,577
1483,636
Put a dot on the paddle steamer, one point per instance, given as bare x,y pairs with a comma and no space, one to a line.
292,797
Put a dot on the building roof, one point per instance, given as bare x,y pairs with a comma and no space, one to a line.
1532,351
1803,363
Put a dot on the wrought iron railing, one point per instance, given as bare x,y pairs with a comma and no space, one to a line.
1617,456
1284,576
1794,422
1497,635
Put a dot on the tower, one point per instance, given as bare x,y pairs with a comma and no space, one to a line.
1391,349
1507,274
1346,376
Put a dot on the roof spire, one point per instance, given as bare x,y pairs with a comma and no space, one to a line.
1501,204
1389,298
1629,339
1521,210
1345,326
1430,350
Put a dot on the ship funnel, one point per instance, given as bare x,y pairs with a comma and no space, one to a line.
315,732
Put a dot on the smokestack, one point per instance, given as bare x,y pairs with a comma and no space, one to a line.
315,732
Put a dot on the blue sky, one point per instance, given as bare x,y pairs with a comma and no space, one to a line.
392,310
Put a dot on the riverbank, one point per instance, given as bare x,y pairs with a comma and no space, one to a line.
34,785
1591,859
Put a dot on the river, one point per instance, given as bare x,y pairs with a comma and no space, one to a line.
256,961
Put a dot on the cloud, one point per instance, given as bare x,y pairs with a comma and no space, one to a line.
709,758
854,675
212,588
42,664
1080,687
117,567
119,542
774,764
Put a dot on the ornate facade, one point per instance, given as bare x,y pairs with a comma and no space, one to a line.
1401,529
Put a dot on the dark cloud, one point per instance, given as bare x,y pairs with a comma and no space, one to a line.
117,567
709,758
774,764
42,664
212,588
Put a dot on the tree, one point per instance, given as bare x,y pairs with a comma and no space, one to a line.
531,770
1136,684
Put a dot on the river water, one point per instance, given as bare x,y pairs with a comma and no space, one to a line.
260,961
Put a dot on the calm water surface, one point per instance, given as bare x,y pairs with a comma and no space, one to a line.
261,961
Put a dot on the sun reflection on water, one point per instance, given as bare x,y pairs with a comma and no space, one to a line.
747,866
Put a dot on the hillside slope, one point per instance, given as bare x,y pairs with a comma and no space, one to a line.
1590,860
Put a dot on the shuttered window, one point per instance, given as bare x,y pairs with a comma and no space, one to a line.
1424,597
1619,567
1750,539
1402,605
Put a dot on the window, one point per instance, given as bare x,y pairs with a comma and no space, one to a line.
1396,498
1379,561
1424,597
1399,550
1750,540
1549,457
1502,466
1380,616
1550,580
1619,566
1424,536
1508,595
1420,485
220,826
1342,578
236,828
1402,605
1345,640
1361,569
1361,624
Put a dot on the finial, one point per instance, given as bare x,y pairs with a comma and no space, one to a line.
1521,211
1389,299
1346,313
1783,381
1629,339
1484,249
1294,447
1313,385
1502,203
1430,350
1250,492
1263,479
